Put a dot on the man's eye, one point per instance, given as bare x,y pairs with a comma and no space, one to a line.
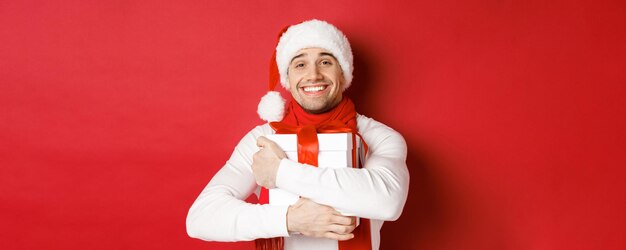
299,65
327,63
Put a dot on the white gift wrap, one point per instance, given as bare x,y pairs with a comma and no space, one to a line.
335,151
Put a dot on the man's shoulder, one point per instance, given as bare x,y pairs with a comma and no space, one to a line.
366,124
263,129
260,130
374,132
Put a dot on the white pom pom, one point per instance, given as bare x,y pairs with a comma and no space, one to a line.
272,107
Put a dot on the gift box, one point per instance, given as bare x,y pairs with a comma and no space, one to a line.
335,151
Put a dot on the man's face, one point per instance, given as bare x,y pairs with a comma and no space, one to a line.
315,80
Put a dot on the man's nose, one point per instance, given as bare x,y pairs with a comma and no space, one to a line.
314,73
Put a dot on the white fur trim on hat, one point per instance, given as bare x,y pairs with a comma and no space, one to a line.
314,34
272,107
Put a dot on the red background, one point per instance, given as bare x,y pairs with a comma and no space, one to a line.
115,114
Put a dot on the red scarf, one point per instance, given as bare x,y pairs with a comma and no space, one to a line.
340,119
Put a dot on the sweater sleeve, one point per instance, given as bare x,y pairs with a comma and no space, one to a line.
383,181
220,212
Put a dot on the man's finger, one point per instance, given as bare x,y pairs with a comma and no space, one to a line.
262,141
340,229
342,220
335,236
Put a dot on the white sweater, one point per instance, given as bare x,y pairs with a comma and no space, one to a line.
378,191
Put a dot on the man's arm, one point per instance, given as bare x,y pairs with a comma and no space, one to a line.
220,214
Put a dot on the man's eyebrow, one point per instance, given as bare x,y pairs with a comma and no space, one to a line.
327,54
294,58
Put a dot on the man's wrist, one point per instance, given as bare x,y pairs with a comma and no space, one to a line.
292,225
287,221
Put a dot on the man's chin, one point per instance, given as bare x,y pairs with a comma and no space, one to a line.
316,109
317,106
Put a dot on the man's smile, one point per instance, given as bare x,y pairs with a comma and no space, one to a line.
315,89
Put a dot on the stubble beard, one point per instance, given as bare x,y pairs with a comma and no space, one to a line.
315,108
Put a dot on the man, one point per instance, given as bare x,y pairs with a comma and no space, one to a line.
315,64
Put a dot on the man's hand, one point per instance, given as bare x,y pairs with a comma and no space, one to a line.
316,220
265,162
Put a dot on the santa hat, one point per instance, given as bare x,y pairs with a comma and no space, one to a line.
309,34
